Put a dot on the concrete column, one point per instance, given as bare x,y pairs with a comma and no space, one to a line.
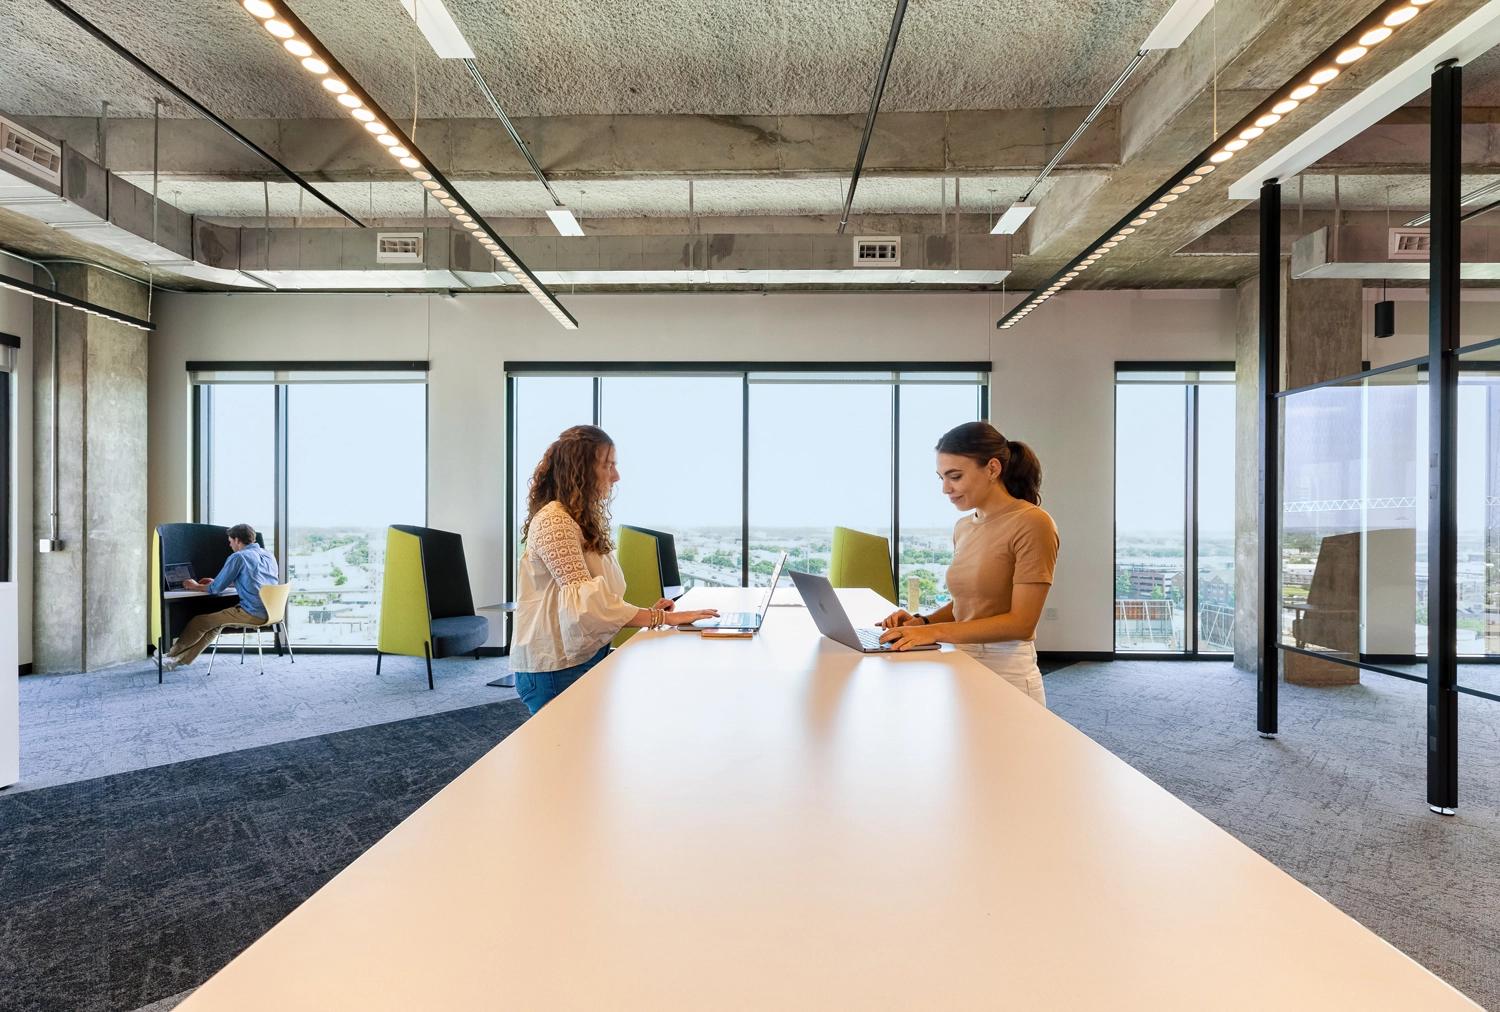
92,595
1324,340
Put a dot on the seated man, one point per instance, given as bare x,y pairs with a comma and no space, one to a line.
249,568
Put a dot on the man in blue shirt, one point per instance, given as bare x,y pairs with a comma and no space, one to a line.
248,568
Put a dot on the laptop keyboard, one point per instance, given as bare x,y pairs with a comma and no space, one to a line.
870,639
741,618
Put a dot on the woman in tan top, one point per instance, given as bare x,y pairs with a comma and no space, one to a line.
1004,553
570,598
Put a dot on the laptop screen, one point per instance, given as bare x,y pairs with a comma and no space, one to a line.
178,573
775,579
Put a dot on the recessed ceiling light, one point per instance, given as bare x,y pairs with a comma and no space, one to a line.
429,183
1303,92
334,85
313,65
1235,145
1158,206
1401,15
1250,133
387,140
350,101
1109,245
363,115
260,9
449,202
1204,170
297,47
399,152
1268,120
1221,156
1284,106
421,174
1148,214
439,193
376,127
1180,188
1325,75
1349,55
409,162
1138,222
279,28
1190,180
1127,231
1375,36
1166,198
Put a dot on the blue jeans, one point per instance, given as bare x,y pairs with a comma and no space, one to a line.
537,688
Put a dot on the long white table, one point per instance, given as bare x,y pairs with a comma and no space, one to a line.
781,823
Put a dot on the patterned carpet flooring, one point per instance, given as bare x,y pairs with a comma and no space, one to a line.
123,890
1338,800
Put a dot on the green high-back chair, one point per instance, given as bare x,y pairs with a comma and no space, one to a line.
641,564
862,560
426,607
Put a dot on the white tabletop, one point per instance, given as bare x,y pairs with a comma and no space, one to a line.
783,823
178,595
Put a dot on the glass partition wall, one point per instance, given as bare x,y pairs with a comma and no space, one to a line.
741,463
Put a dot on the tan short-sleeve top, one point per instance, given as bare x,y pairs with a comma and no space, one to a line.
994,553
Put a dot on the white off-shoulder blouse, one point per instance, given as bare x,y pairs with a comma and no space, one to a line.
569,602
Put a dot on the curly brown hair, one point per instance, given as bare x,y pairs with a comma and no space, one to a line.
569,474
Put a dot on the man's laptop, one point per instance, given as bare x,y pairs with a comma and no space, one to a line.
833,621
177,573
750,620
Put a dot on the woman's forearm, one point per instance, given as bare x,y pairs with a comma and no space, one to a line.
993,629
943,614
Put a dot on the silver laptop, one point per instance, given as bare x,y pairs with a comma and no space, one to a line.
833,621
750,620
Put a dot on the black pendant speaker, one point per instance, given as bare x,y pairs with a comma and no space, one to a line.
1385,318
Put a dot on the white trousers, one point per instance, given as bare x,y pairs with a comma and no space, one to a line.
1014,661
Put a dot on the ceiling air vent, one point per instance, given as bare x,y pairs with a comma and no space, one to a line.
1410,244
877,251
21,148
398,248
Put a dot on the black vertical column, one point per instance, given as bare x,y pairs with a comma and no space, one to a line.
1442,480
1268,518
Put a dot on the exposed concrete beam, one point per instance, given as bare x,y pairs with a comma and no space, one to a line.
1170,118
602,147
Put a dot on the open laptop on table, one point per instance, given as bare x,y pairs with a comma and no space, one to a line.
833,621
178,573
749,620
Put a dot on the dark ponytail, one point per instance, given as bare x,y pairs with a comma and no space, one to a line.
981,442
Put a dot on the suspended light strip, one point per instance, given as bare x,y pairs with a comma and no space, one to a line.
1374,30
68,302
354,101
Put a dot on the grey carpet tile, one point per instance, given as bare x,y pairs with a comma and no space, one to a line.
80,726
1338,800
128,890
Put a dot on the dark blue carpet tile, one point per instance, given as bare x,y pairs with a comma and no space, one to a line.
119,891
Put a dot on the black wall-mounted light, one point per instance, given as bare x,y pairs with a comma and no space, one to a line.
1385,315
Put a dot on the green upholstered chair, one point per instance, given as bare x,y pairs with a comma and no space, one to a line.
640,561
862,560
426,608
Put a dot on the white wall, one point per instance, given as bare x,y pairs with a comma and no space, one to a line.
16,315
1052,385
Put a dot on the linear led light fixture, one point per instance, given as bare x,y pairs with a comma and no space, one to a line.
1170,32
315,58
1387,19
564,221
441,31
68,302
1014,217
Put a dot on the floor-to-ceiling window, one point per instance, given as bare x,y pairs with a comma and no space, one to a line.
739,464
1174,509
320,463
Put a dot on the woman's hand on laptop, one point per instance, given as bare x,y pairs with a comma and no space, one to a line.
689,617
665,604
899,618
909,636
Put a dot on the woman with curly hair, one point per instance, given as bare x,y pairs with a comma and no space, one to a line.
570,599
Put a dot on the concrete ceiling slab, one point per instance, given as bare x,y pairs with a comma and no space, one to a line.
581,57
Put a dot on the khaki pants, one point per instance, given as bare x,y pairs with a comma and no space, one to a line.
1014,661
201,630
